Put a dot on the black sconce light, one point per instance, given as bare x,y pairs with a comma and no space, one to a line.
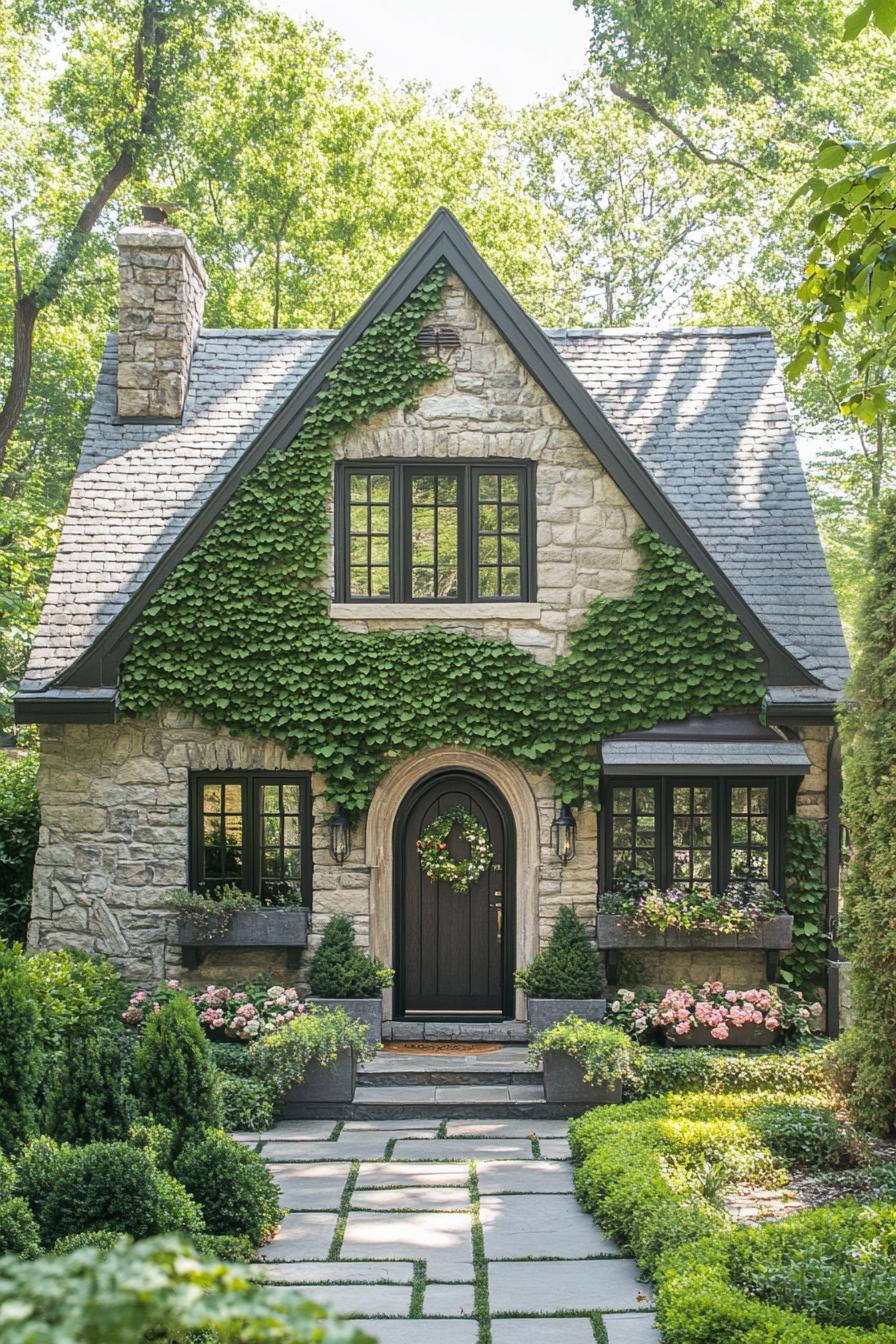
340,835
563,834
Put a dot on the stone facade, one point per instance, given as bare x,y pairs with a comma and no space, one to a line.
162,286
488,405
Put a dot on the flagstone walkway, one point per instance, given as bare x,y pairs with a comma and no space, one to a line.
452,1232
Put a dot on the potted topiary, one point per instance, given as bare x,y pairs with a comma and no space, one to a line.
342,976
310,1062
584,1063
565,978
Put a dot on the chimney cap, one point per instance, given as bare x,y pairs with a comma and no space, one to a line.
157,212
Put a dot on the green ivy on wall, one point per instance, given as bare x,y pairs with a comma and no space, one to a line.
241,635
805,894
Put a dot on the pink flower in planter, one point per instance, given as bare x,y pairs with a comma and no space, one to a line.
720,1032
816,1010
682,1028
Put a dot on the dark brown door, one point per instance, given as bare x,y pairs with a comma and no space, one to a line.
455,949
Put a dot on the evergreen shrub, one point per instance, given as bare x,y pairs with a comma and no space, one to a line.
18,1230
19,826
664,1069
89,1097
22,1057
111,1187
232,1184
340,970
74,992
232,1059
567,968
174,1076
248,1103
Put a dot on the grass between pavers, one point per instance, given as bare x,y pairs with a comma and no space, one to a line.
600,1330
536,1147
481,1308
336,1131
344,1206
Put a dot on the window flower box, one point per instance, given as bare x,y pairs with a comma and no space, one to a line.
265,927
771,935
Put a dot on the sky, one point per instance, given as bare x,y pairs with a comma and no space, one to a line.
522,48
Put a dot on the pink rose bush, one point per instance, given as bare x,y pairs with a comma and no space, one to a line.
679,1011
242,1014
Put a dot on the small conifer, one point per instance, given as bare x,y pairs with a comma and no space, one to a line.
567,968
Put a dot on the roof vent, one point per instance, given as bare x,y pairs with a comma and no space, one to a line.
438,339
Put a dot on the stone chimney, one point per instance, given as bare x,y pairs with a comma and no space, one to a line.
162,292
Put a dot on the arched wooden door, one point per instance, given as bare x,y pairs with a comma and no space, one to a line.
455,950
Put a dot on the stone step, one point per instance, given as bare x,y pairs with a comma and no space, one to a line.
436,1030
451,1101
446,1077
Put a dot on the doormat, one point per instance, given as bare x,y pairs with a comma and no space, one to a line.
440,1047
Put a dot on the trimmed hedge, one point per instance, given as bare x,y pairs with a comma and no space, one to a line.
650,1172
662,1070
232,1185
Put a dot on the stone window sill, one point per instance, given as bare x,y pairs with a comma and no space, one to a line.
435,611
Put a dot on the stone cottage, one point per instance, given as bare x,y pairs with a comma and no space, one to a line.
503,502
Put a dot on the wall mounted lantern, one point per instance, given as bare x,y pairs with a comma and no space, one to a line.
340,835
563,834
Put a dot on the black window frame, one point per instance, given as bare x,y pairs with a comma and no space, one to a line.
721,787
251,782
468,474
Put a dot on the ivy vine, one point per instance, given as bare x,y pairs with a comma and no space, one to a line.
805,895
240,633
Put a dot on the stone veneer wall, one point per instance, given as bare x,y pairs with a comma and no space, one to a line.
162,293
489,406
114,839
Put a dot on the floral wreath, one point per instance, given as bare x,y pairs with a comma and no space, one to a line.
435,859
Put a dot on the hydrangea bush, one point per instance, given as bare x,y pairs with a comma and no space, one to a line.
243,1014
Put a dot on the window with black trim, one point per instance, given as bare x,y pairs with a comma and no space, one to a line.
252,830
434,532
693,832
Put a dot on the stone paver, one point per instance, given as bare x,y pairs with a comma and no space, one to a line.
531,1178
538,1330
340,1271
443,1240
414,1197
311,1185
353,1299
465,1150
515,1226
416,1207
302,1236
630,1329
568,1285
421,1332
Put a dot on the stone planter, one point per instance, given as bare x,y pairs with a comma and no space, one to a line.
544,1013
738,1038
771,936
322,1083
369,1012
564,1082
245,928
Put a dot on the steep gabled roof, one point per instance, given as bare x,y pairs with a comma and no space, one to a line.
144,495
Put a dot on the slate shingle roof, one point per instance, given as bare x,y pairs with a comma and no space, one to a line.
788,757
704,410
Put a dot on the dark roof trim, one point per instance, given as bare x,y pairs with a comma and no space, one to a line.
93,706
821,713
718,770
444,239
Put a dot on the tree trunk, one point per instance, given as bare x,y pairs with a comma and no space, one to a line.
24,318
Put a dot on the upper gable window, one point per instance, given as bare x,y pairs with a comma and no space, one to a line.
434,532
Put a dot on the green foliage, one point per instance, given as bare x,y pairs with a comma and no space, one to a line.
173,1073
825,1276
606,1054
805,895
248,1103
111,1187
159,1289
19,823
75,1240
75,992
89,1097
808,1136
280,1058
568,966
240,634
340,970
869,926
22,1056
661,1070
232,1185
18,1230
231,1059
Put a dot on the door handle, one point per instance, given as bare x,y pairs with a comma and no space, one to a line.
499,911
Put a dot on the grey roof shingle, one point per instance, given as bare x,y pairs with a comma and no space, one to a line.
704,410
789,757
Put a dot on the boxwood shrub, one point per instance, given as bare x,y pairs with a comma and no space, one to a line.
232,1185
248,1103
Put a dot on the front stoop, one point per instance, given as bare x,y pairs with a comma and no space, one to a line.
436,1030
500,1085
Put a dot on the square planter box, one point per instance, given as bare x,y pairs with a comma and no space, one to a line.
771,936
564,1082
369,1012
245,928
322,1082
544,1013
